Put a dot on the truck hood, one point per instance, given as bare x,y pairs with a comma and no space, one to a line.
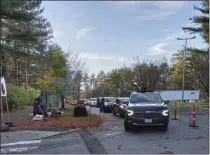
147,107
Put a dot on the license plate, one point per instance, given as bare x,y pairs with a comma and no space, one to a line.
148,120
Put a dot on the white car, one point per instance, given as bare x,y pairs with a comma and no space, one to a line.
86,101
93,102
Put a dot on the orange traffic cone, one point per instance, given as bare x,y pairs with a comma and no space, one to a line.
175,112
193,117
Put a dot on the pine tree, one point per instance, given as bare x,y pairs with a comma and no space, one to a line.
25,39
199,58
203,25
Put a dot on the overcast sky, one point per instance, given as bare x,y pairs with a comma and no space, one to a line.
109,34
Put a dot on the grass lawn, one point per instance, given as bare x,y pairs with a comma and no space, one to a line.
201,108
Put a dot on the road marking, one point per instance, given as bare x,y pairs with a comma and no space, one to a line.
22,142
21,149
114,133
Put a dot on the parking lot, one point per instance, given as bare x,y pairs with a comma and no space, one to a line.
111,138
201,120
180,138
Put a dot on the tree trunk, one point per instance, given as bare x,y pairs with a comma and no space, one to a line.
16,65
1,64
62,99
25,80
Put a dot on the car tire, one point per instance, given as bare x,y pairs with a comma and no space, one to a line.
165,128
127,126
114,113
120,115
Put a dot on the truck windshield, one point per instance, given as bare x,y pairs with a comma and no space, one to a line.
109,99
146,97
93,99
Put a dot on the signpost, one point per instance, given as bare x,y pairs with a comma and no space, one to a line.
3,93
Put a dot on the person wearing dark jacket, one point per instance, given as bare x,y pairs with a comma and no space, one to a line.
98,103
102,103
37,101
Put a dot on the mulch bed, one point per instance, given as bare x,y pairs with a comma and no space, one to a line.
65,121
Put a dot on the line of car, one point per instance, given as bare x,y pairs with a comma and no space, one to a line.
140,109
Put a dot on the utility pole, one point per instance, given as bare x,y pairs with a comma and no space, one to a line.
183,71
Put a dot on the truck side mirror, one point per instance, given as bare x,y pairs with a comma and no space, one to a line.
166,102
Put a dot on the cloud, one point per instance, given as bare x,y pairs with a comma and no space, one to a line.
171,4
177,34
153,15
128,2
158,49
57,33
162,4
174,35
84,33
97,56
150,10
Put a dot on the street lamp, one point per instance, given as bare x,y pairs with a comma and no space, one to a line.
183,73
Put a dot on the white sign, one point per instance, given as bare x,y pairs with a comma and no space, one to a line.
37,117
3,87
176,95
87,108
94,110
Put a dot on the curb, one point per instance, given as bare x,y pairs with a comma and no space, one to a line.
4,128
59,134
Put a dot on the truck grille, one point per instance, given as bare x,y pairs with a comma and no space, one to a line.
148,115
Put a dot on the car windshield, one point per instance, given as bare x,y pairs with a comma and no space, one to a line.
111,99
93,99
123,99
146,97
85,100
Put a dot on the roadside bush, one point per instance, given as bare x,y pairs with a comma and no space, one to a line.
18,97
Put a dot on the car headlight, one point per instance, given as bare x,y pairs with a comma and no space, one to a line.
121,106
130,112
105,103
165,112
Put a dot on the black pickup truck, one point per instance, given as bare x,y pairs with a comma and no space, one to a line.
146,109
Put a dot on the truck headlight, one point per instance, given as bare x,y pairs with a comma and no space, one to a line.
165,112
130,112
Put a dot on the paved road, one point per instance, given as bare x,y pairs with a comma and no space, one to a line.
180,139
110,138
201,120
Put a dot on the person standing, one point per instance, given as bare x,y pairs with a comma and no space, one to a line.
98,103
102,103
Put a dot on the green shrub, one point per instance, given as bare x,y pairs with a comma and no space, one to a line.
18,97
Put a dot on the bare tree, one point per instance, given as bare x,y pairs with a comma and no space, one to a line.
147,73
75,60
76,67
